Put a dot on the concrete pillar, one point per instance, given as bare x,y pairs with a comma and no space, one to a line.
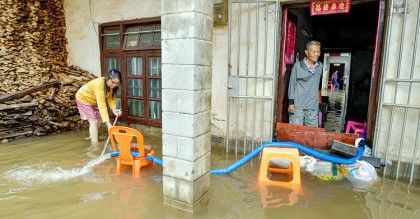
187,52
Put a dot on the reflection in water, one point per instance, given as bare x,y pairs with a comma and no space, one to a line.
277,196
335,111
47,177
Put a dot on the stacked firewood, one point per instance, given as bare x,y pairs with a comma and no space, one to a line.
37,88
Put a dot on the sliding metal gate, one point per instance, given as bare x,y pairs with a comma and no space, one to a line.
398,125
253,67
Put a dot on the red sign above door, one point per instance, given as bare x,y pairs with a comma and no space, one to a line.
330,7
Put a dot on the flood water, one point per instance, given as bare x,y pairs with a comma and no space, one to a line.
60,176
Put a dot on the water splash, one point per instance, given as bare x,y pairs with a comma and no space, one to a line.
42,173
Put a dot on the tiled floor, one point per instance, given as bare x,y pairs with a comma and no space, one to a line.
335,111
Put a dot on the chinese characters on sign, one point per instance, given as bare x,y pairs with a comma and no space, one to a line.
330,7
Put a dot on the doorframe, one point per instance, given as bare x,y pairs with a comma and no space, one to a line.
376,73
376,65
344,58
282,80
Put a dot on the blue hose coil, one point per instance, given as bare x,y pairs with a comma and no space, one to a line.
258,150
301,148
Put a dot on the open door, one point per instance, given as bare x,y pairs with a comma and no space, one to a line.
288,58
352,41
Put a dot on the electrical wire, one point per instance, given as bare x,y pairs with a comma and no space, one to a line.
91,20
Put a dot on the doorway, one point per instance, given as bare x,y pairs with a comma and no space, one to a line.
334,89
337,81
354,38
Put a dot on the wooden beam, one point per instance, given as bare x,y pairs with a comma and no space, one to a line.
315,139
22,93
16,134
20,105
310,136
292,127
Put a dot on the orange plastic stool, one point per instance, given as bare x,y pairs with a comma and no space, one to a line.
122,137
291,154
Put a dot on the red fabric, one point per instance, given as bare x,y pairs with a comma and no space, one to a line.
290,43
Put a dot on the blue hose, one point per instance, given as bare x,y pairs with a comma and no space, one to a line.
301,148
239,163
155,160
258,150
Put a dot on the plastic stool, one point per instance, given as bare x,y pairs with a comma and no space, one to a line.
291,154
357,127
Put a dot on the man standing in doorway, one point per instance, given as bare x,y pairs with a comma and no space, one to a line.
303,87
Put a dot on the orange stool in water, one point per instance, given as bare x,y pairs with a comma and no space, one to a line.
293,171
122,137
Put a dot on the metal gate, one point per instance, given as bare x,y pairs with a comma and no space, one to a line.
253,68
398,125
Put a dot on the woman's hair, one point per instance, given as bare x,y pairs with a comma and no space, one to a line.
112,74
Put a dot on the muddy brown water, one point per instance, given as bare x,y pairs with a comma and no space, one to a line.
59,176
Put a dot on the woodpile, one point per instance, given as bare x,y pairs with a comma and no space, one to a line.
37,86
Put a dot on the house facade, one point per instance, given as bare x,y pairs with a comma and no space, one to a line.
255,44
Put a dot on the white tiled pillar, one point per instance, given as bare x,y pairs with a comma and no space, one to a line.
187,52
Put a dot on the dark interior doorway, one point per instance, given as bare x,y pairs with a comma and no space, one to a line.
355,33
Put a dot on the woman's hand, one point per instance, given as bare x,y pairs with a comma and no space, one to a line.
117,112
